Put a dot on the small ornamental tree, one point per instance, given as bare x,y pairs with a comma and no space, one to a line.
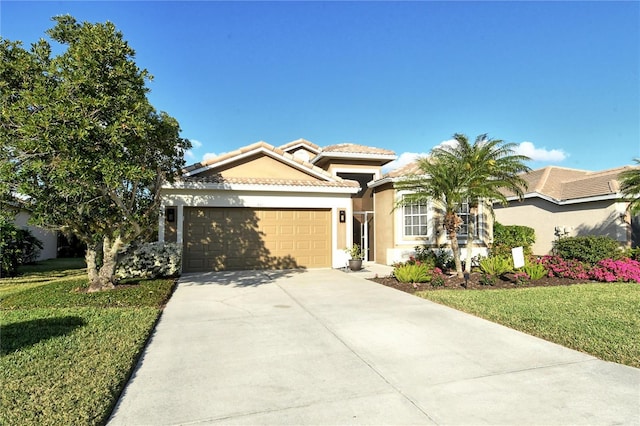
80,141
465,172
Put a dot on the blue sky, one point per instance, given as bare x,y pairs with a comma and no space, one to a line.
560,79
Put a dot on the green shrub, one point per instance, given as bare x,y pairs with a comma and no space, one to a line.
18,247
506,237
486,279
590,249
633,253
496,265
534,270
435,258
412,273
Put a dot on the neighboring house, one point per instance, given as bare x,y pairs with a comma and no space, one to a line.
567,202
48,238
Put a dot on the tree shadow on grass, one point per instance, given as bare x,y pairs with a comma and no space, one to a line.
20,335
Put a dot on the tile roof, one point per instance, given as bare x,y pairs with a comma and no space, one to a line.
335,183
352,148
563,184
300,141
258,146
558,183
408,169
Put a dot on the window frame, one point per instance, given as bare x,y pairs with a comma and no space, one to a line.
466,215
401,239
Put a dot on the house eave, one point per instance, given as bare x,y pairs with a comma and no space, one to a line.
386,158
209,186
530,195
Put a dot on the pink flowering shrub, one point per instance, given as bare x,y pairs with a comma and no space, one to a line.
521,278
437,277
609,270
564,268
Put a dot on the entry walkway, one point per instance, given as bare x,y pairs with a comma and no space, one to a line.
330,347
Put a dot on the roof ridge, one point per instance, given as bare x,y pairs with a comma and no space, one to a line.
543,179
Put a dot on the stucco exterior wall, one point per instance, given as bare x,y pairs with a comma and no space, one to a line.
49,239
261,166
550,220
383,222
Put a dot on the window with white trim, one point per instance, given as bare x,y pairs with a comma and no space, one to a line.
464,212
415,219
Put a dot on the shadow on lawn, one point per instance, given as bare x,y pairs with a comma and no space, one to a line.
22,334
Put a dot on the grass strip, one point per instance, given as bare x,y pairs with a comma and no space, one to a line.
66,355
599,319
68,366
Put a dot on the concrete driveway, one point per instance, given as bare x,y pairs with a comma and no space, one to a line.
329,347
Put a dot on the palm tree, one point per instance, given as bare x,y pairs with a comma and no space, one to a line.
630,187
464,172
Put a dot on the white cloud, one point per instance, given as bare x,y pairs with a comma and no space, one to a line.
209,156
452,143
189,154
540,154
402,160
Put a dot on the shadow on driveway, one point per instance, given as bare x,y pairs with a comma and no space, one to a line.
252,278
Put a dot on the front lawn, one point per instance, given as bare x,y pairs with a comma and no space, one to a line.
66,355
599,319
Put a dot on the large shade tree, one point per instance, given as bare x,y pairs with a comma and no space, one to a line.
630,187
461,172
81,143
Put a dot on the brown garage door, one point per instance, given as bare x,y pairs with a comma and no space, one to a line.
243,238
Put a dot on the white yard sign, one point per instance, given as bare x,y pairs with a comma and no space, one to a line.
518,257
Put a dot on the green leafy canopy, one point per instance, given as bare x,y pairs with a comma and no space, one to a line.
80,141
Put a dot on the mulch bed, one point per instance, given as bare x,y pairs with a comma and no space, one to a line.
455,283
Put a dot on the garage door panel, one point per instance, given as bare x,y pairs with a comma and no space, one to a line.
243,238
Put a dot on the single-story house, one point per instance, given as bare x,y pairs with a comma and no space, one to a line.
48,238
295,206
563,202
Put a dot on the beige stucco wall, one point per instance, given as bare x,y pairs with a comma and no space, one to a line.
170,228
261,166
49,239
593,218
383,222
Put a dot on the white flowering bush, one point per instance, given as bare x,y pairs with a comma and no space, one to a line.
150,260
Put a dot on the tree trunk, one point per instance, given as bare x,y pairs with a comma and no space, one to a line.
103,278
455,248
451,222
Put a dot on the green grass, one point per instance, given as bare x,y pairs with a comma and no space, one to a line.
65,355
599,319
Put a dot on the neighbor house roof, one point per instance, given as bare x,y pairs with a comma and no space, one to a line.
563,185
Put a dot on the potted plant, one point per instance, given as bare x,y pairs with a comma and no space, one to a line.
355,253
